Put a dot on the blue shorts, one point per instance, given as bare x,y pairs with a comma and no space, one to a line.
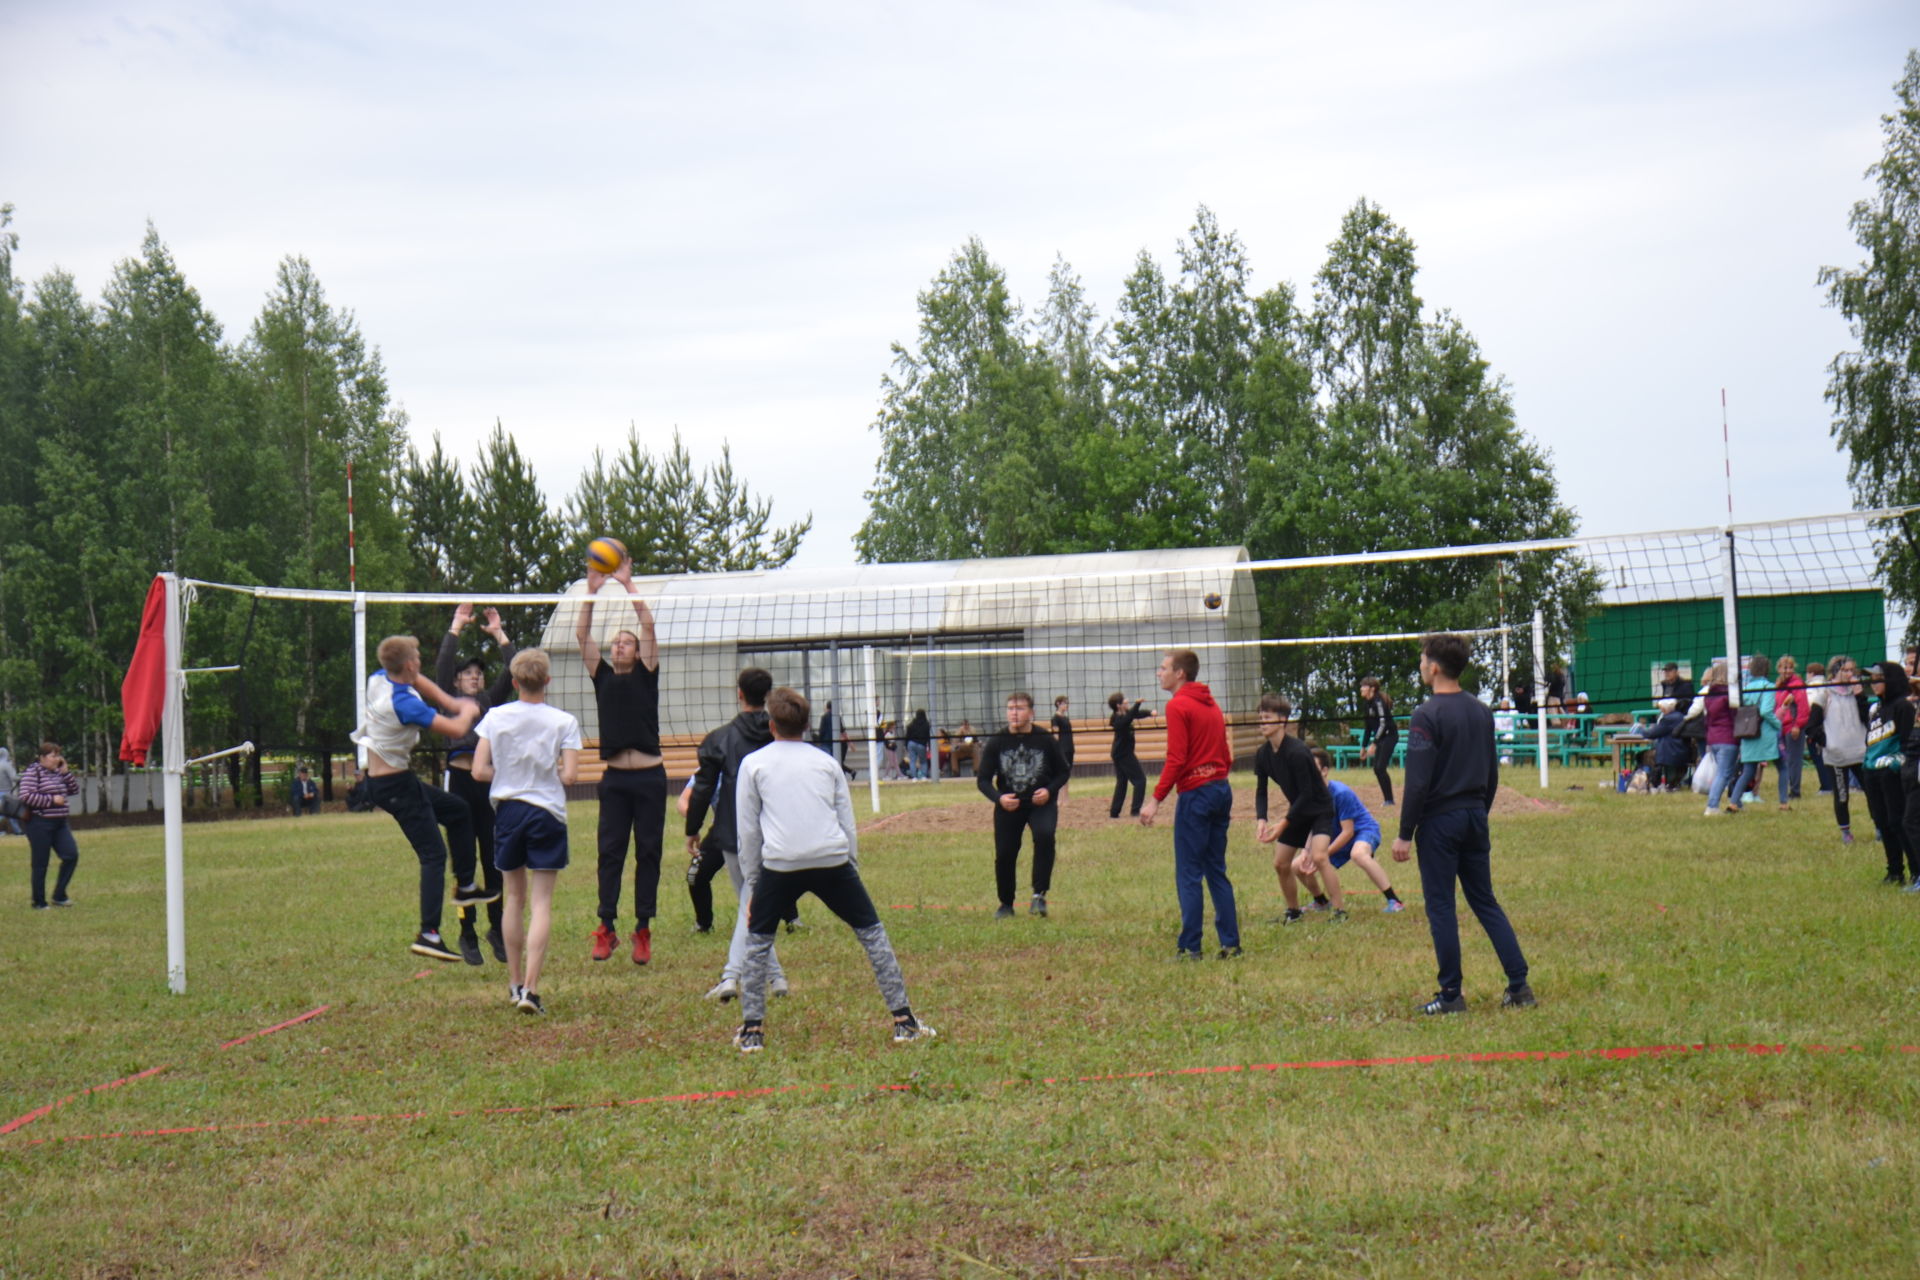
525,835
1369,836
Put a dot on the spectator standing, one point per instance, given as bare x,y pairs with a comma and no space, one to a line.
9,795
919,744
1762,748
1790,697
1816,753
1722,748
45,789
1889,725
1837,730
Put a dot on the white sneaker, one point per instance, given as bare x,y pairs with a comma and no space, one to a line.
778,987
514,992
1711,812
724,990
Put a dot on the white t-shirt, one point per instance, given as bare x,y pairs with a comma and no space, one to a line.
526,739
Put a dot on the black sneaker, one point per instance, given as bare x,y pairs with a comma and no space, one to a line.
1338,917
1520,997
1004,913
1294,916
63,902
497,944
433,946
475,896
1230,953
530,1002
1444,1003
470,948
1038,907
750,1039
795,925
1186,955
1893,879
909,1030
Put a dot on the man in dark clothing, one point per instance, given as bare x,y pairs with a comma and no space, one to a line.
1676,686
1303,839
469,680
1126,764
1022,771
919,737
1453,772
1063,734
714,786
306,792
633,784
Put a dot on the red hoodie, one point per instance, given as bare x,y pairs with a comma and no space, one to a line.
1197,748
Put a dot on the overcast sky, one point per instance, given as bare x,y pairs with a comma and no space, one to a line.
717,218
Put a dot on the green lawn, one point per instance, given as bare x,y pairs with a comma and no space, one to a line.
1022,1142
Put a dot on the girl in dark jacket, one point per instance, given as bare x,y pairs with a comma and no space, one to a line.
1380,736
1889,725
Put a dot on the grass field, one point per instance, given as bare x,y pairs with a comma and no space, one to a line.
1091,1108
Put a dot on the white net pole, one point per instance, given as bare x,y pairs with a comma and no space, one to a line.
359,672
1540,691
873,736
173,760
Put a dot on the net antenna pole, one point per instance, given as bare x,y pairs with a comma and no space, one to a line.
173,761
1540,691
359,673
1729,592
873,736
1506,647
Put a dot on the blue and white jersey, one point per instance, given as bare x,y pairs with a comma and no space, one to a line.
1348,807
395,716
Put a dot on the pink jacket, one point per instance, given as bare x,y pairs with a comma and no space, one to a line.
1791,704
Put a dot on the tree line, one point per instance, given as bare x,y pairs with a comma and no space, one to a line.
138,437
1205,413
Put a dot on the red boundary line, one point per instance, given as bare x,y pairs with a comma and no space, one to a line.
1621,1054
22,1121
278,1026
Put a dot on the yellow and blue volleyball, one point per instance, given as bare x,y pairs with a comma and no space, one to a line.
605,554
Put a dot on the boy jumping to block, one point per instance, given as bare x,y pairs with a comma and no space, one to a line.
794,820
1359,834
396,713
530,753
1302,838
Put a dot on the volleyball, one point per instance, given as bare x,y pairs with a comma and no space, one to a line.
605,554
1211,600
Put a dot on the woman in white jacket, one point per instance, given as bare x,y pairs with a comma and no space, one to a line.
1838,725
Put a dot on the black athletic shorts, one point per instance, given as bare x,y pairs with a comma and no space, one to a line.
1294,835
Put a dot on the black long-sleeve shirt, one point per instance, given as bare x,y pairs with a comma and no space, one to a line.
492,696
1021,764
1122,722
1452,762
1379,727
1294,768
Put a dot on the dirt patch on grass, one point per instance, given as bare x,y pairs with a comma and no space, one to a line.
1085,809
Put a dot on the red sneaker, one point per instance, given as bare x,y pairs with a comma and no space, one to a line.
642,945
604,939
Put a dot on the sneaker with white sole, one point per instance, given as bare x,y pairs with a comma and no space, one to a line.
530,1003
749,1039
433,946
1393,905
1443,1003
474,896
910,1029
1038,907
724,990
778,987
514,992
